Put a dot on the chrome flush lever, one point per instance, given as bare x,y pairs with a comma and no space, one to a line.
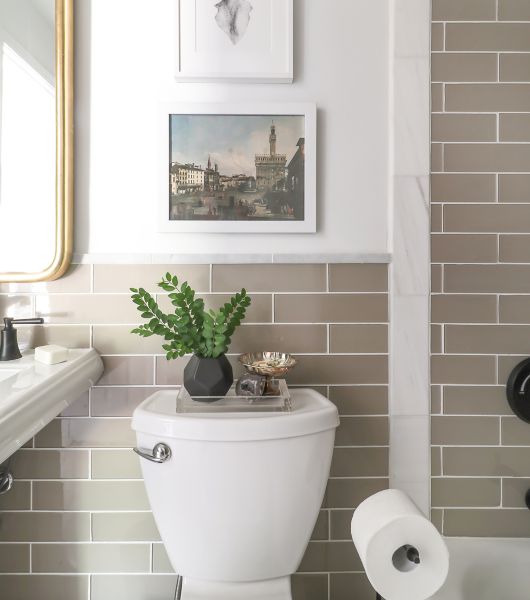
159,454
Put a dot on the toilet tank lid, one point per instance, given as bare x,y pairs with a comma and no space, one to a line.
311,413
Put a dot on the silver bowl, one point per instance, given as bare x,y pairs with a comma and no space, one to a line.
270,364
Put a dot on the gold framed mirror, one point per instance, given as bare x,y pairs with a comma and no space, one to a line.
36,139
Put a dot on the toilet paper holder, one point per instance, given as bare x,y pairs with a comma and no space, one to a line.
407,552
518,390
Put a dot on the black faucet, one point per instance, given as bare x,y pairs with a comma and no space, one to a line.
9,349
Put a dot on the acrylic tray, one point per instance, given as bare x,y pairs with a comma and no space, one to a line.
278,401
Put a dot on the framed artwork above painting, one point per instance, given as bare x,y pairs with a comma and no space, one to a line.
231,168
235,40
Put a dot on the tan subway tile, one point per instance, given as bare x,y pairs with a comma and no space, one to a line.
117,401
309,586
288,338
359,338
436,461
487,158
465,67
437,37
124,527
345,586
340,524
487,523
44,587
89,495
115,464
90,558
14,558
70,336
436,278
362,431
118,339
514,67
259,311
76,280
331,308
437,160
463,187
436,217
514,492
19,498
360,400
327,370
514,127
463,369
437,97
514,248
511,279
464,431
514,432
120,278
349,493
358,278
463,308
461,492
514,309
132,587
463,248
360,462
436,399
86,309
321,528
86,433
127,370
161,562
463,10
475,400
330,556
514,10
478,37
78,408
171,372
514,188
487,462
487,339
50,464
45,527
269,278
436,339
16,306
487,97
463,128
506,365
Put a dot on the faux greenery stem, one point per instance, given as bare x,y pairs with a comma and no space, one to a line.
190,329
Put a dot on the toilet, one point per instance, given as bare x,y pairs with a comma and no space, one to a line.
236,495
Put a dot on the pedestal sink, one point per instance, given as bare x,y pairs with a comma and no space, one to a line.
32,394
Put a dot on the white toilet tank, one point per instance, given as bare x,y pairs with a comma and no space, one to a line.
239,497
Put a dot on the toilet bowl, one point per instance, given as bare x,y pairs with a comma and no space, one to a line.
239,495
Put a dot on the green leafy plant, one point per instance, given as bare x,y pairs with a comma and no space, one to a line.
190,329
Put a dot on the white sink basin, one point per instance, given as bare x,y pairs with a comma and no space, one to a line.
32,394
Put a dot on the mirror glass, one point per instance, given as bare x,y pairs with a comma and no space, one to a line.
27,135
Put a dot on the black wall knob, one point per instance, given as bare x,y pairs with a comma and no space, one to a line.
518,390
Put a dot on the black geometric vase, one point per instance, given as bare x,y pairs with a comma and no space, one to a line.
208,377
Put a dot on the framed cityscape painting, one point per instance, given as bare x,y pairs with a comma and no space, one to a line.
238,168
235,40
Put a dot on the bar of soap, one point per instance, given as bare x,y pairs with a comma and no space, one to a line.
51,355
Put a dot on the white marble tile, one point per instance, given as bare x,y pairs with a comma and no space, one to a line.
411,239
411,116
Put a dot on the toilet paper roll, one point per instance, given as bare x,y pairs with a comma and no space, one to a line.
387,530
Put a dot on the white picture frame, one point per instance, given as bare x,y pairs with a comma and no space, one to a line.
208,51
269,111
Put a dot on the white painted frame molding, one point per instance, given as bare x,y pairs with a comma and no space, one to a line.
224,64
307,110
409,228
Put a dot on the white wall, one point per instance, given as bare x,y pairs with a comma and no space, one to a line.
124,67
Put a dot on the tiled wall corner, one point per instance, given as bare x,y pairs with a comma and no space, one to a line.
480,304
77,525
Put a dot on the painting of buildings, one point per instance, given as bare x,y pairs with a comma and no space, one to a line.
236,167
